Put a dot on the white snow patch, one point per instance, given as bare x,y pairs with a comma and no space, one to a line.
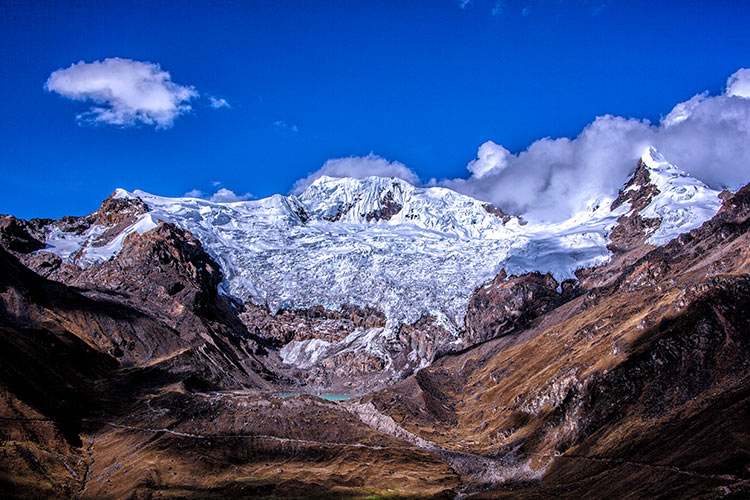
80,249
303,353
122,194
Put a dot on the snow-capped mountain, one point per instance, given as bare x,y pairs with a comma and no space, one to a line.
683,203
406,250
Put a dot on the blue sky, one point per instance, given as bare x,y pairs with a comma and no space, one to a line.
421,83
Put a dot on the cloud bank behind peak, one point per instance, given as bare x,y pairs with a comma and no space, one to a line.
707,136
554,178
358,167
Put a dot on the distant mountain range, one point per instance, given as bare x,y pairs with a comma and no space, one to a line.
485,351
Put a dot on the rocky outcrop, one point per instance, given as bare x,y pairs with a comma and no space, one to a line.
20,236
116,211
157,302
639,191
315,322
338,212
497,212
165,269
424,341
388,208
632,229
508,303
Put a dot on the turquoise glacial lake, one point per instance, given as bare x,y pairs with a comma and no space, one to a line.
329,397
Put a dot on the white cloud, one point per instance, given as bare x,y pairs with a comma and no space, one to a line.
463,3
497,9
683,110
124,92
218,103
739,83
707,136
283,126
225,195
358,167
491,159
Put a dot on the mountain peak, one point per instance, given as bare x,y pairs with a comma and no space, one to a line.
121,193
669,199
372,180
369,199
652,157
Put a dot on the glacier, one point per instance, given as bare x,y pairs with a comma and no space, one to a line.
409,251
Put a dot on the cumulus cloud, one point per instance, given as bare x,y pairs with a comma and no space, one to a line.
463,3
223,195
358,167
683,110
491,159
218,103
123,92
707,136
739,83
194,193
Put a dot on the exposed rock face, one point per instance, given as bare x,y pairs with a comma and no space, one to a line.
352,365
165,268
426,338
638,191
19,235
117,209
156,302
339,211
509,303
497,212
632,230
388,207
312,323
